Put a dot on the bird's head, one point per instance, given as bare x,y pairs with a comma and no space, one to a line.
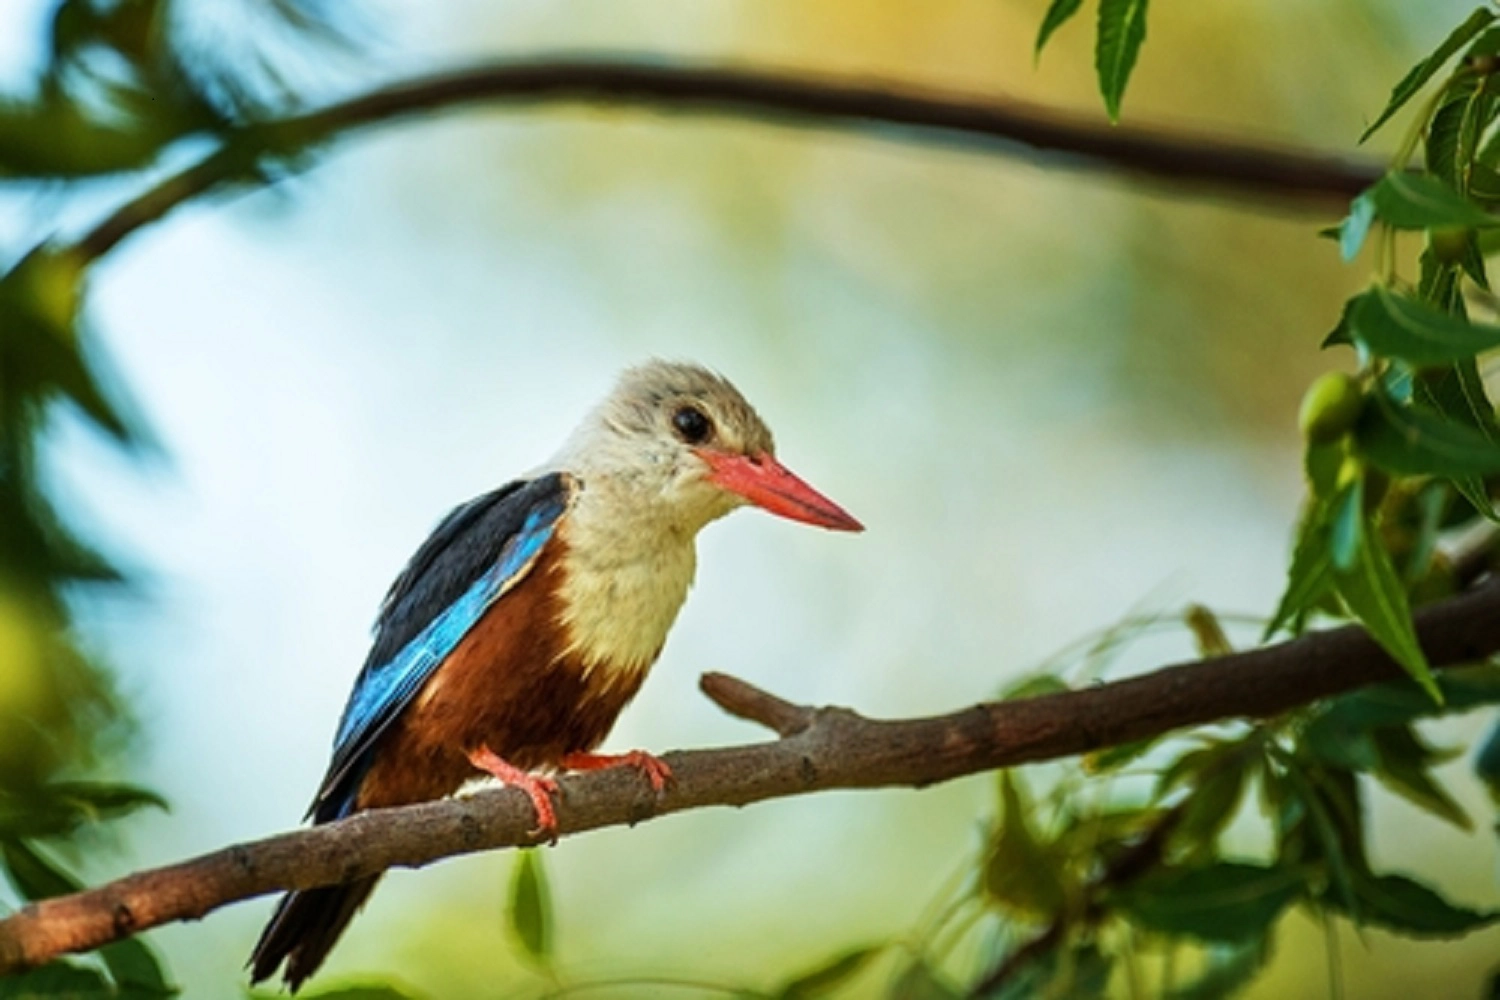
682,440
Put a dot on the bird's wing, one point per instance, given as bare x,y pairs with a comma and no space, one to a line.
476,555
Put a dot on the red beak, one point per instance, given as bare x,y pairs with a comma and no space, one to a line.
771,486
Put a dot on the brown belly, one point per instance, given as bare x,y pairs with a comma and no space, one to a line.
510,686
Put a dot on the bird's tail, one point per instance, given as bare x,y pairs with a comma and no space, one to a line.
305,928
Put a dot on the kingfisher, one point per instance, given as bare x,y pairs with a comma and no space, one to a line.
528,619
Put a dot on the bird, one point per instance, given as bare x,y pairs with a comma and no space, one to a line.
528,619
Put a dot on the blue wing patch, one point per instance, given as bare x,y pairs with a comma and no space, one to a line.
384,689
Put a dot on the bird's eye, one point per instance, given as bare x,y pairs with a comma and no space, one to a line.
692,426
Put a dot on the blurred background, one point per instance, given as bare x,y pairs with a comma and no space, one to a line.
1056,399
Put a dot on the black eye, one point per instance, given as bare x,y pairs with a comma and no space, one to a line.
692,426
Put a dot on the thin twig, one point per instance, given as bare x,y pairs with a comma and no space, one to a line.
746,701
983,123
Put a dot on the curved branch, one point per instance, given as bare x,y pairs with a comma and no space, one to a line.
984,123
829,748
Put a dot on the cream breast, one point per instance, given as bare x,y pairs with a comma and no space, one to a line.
626,572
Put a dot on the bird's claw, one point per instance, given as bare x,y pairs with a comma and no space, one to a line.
654,768
540,789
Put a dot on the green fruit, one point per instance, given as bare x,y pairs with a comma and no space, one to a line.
1449,243
1330,408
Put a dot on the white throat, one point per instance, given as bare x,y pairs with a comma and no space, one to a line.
626,573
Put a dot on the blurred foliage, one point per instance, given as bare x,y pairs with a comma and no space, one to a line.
1114,876
123,83
113,96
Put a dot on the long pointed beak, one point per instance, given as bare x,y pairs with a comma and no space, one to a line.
771,486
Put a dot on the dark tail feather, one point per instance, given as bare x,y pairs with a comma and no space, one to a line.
304,930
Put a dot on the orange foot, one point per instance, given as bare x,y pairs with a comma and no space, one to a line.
541,790
654,768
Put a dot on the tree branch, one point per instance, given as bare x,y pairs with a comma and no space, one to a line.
983,123
830,748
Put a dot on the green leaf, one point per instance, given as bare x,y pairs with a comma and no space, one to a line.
1404,200
1472,261
136,970
531,907
1403,767
1034,686
39,298
1122,29
1409,440
1424,70
1346,535
1478,113
918,981
1020,873
1077,973
1059,12
1208,634
1443,132
1340,332
1227,971
1310,575
1373,593
1439,285
1399,702
830,975
1115,757
1223,902
1395,326
58,808
1321,463
1487,763
1424,513
105,800
1487,44
1355,227
35,876
1458,393
1318,820
1209,808
1185,770
1406,906
1395,382
1484,179
1331,741
58,980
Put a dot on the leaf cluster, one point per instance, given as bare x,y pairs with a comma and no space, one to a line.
1408,448
1083,889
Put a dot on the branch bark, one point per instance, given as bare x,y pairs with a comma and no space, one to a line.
826,748
984,123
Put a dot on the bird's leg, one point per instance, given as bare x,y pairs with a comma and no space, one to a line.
539,788
654,768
